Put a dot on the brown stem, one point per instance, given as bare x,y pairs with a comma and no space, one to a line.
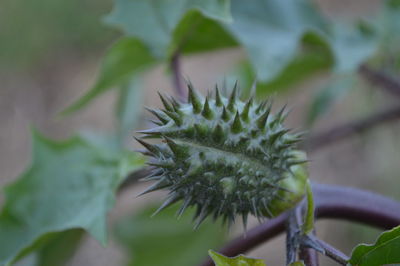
333,253
335,134
390,84
308,255
334,202
177,76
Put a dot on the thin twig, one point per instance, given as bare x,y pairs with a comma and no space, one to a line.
335,134
336,202
381,79
333,253
177,76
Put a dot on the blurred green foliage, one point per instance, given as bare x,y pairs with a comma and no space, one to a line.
71,184
164,240
33,31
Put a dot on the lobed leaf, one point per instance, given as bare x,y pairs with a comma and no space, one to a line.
70,184
154,22
386,250
125,58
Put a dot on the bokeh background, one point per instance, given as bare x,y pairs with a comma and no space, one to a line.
50,54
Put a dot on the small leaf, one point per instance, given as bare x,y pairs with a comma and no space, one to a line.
70,184
166,240
125,58
271,31
197,33
154,22
221,260
130,104
386,250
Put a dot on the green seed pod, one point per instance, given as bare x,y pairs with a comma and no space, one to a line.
226,157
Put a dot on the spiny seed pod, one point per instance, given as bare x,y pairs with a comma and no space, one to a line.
225,156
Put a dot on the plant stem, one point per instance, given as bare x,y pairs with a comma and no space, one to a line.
308,255
381,79
292,233
343,131
177,76
335,202
332,252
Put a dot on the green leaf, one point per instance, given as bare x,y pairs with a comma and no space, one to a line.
125,58
129,106
221,260
59,249
70,184
351,46
271,30
197,33
154,22
297,263
165,240
386,250
325,98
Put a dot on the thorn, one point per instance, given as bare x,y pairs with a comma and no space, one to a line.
262,120
265,205
274,136
281,114
171,200
225,115
163,183
254,206
184,206
202,216
218,133
157,123
167,106
193,98
294,162
261,106
174,116
158,115
232,98
175,148
160,164
175,104
207,112
246,109
244,220
148,146
200,130
236,125
218,100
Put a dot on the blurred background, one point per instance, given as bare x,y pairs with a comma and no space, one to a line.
50,55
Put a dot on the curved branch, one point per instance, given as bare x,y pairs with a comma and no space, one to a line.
177,76
381,79
339,133
335,202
